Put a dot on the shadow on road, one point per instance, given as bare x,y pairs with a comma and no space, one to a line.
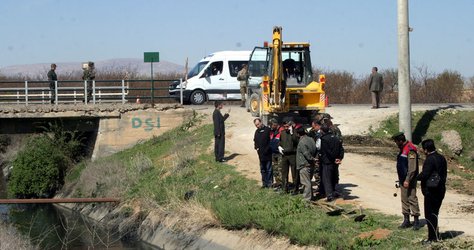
344,189
450,234
232,156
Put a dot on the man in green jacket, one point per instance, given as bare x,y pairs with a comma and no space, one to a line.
376,87
305,160
288,144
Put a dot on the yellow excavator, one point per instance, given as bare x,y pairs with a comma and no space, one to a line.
281,81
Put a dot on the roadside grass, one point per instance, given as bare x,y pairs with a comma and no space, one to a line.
430,124
180,170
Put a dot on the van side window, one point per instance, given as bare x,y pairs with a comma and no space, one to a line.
235,67
214,68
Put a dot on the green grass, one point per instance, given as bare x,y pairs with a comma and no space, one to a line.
182,163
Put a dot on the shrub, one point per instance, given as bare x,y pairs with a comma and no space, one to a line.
38,169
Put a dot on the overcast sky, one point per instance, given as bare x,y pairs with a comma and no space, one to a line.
351,35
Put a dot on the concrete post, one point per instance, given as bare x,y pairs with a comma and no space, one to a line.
181,91
404,100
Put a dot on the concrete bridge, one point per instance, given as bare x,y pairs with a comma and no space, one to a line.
109,127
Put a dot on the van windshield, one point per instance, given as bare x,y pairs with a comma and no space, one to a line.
196,69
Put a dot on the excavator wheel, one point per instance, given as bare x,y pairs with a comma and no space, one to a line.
254,105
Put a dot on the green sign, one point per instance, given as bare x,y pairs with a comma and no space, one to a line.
151,57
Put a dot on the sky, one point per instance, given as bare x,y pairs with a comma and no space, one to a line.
346,35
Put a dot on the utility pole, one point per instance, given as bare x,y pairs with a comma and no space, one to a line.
404,100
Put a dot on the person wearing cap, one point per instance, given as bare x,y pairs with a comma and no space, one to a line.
275,132
407,170
327,118
243,76
287,147
305,161
52,78
375,87
332,153
89,75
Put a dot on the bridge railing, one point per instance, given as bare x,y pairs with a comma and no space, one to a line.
102,91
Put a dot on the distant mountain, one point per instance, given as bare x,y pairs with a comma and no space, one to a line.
134,65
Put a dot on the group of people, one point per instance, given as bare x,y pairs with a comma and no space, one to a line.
307,153
313,155
88,75
433,183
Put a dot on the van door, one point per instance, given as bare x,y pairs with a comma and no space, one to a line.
215,81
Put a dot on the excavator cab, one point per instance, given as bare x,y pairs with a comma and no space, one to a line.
281,80
296,64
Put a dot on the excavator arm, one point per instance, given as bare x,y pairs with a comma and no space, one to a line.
277,72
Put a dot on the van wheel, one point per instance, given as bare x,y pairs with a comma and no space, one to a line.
198,97
254,105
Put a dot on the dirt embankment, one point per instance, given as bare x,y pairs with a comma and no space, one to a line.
366,180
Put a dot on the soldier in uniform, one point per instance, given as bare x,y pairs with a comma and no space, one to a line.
52,78
275,130
315,133
407,170
243,76
89,75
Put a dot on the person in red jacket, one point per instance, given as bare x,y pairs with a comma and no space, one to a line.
407,170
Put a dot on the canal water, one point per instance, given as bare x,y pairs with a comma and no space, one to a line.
53,227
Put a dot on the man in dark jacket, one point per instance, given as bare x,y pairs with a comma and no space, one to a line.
434,195
375,87
407,170
219,131
261,141
52,78
332,154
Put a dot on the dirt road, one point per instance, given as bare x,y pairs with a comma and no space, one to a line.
366,180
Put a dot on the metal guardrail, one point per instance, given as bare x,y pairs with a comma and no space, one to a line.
103,91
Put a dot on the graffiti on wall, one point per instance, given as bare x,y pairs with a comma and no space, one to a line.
146,124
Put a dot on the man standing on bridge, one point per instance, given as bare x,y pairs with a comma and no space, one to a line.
407,170
89,75
52,78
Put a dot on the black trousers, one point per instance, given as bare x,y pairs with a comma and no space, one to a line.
219,147
433,200
329,178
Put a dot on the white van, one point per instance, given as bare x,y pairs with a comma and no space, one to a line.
213,78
